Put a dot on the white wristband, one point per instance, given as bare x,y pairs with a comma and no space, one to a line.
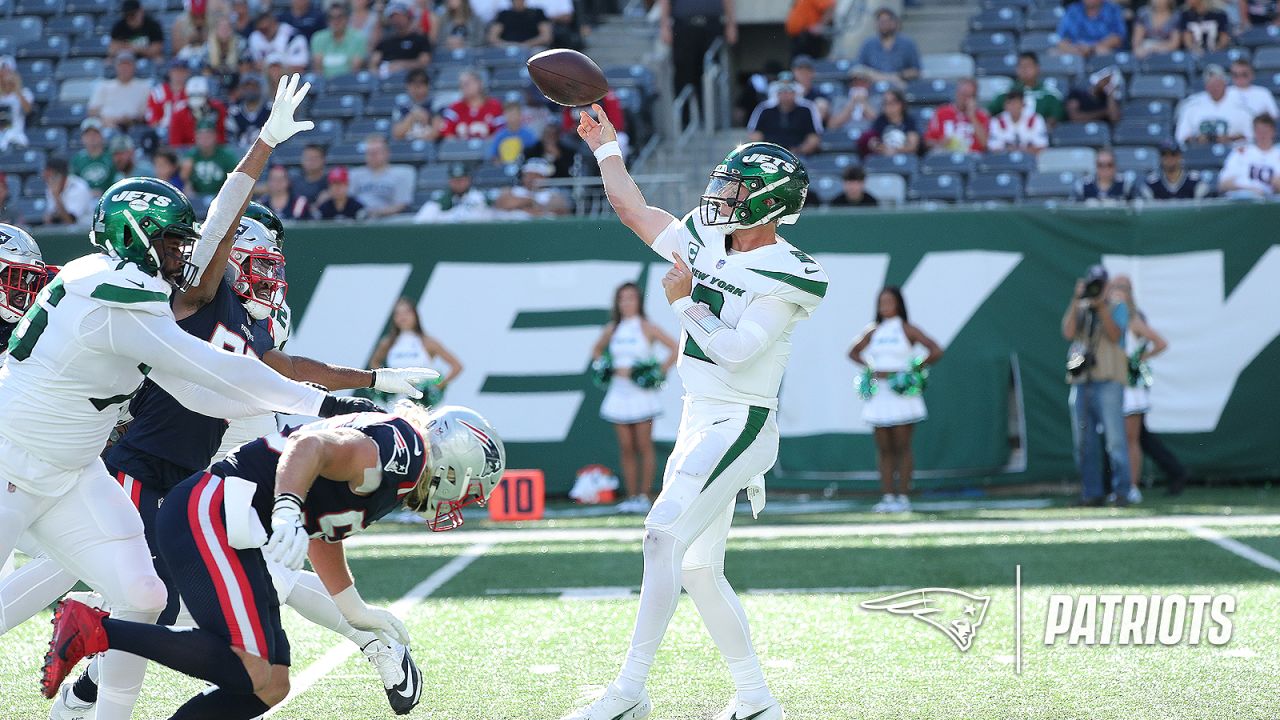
609,149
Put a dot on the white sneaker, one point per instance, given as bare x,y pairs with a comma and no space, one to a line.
400,675
1135,495
624,507
738,710
887,504
642,505
69,707
612,706
904,504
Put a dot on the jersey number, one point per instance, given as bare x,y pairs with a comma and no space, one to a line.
335,527
230,341
32,325
713,299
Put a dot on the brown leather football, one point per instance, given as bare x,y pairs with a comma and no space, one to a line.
567,77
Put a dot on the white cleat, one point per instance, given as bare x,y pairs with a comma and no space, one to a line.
738,710
69,707
887,504
904,504
611,706
1135,495
400,675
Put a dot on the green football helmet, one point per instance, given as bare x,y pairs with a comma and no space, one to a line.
132,218
266,216
757,183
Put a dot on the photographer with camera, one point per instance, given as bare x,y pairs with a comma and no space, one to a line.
1097,370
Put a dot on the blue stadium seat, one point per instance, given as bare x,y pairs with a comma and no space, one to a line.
288,154
415,152
1069,65
1158,87
382,105
1043,19
957,162
1205,157
63,114
830,163
1004,18
373,123
1267,59
48,138
946,187
1141,132
78,90
1138,160
72,25
92,7
433,177
1163,63
995,4
942,65
34,186
325,132
1050,185
337,106
455,149
495,176
905,165
1006,186
1269,80
930,92
1256,37
51,47
1016,161
825,188
922,114
22,28
394,82
1224,57
998,63
44,8
22,161
347,152
979,43
1090,134
841,140
43,90
635,75
89,46
35,69
31,210
1061,83
1159,110
362,83
1123,60
79,68
1039,42
508,78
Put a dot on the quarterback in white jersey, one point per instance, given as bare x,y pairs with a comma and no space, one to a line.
738,290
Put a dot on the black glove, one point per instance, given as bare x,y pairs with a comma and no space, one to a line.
337,405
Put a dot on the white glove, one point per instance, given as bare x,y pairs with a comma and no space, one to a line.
402,381
280,125
370,619
288,543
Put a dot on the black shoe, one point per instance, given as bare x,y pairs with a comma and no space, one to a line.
1176,486
1122,501
1089,502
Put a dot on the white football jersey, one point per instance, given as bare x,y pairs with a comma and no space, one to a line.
243,430
727,282
1250,166
60,398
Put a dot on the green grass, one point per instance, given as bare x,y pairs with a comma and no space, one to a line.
527,653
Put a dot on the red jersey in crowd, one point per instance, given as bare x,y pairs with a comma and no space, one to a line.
463,121
948,123
182,126
612,110
162,103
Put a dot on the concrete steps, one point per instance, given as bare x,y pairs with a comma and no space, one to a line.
939,26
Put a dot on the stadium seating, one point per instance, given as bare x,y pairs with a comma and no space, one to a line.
888,189
1002,186
1050,184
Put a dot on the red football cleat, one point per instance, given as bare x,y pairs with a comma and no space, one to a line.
77,632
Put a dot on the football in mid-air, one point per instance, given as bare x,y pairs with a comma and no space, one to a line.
567,77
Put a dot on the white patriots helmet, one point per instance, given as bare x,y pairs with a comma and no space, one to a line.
465,460
22,272
256,269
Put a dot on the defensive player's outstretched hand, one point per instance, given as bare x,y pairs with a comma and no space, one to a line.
598,130
678,282
280,125
370,619
288,543
403,381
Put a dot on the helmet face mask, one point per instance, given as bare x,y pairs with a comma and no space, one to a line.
22,272
465,461
756,184
257,267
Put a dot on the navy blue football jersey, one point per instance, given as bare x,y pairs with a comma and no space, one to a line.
167,443
332,511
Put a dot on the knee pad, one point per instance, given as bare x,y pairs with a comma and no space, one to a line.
661,545
145,595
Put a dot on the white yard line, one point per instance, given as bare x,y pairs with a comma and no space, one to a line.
616,592
1235,547
339,653
774,532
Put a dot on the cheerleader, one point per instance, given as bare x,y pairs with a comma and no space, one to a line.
627,342
885,349
406,345
1143,343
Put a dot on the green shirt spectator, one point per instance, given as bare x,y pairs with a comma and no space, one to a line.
206,165
1045,101
93,164
338,49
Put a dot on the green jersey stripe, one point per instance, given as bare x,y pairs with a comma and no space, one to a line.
813,287
117,294
755,423
693,230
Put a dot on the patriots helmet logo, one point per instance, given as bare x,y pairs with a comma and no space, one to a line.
492,457
956,613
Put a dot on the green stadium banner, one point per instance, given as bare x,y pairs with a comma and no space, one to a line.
521,305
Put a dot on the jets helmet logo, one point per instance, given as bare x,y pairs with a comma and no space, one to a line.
768,163
956,613
139,201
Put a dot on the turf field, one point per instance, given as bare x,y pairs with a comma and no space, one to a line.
521,621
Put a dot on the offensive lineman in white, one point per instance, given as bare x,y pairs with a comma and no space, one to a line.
738,290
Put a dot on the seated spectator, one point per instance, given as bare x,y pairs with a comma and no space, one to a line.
1099,101
1204,28
281,198
1173,181
566,31
1105,187
809,27
1156,29
338,50
242,18
92,164
459,27
530,194
402,47
960,126
200,110
487,10
894,132
382,188
272,38
124,160
196,51
304,17
15,103
225,49
520,25
137,32
1257,13
889,56
364,20
459,202
205,166
1091,27
69,199
786,120
165,162
121,101
312,180
510,143
1256,100
1017,128
338,203
193,21
413,118
1038,97
855,190
1253,171
246,118
1210,116
167,98
858,107
476,115
804,74
554,148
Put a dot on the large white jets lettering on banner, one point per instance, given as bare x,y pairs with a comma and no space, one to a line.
347,312
471,308
1212,337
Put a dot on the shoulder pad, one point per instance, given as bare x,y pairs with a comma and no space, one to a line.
115,283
